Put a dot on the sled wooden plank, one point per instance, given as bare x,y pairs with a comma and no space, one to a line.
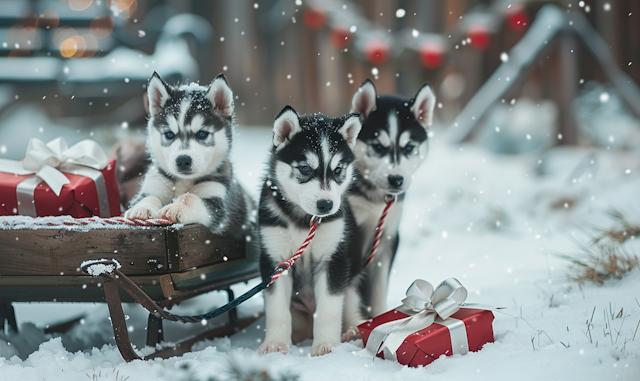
61,251
192,247
151,251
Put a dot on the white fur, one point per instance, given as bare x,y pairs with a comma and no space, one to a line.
350,130
221,97
312,160
157,94
425,102
392,120
364,100
285,127
205,159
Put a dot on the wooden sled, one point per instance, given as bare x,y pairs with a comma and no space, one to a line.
170,263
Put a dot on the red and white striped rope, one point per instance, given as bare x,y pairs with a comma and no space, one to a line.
284,266
114,221
66,221
379,229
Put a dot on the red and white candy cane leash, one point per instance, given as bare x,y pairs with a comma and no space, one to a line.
390,199
284,266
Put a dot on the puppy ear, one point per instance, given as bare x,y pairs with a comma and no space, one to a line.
221,96
285,127
423,105
350,129
158,92
364,99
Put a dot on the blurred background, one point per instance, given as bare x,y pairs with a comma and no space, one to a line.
512,75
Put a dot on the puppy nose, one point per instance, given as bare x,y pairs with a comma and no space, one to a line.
183,162
396,180
324,206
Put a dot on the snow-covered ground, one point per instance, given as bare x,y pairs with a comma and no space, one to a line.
497,223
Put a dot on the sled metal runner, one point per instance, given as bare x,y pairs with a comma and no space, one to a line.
170,263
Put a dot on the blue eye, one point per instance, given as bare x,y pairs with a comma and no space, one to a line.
408,148
305,169
337,171
378,147
169,135
202,134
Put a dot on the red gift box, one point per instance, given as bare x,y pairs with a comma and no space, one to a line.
424,346
429,323
84,182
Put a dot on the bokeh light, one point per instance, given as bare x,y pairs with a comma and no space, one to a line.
49,19
79,5
101,26
69,47
91,45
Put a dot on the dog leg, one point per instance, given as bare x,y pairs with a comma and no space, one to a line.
379,284
327,325
352,316
144,209
277,300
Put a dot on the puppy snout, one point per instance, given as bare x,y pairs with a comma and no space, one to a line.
396,181
183,162
324,206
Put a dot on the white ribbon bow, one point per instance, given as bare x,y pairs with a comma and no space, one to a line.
424,305
47,161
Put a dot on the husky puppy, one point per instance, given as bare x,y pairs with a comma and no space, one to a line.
190,179
310,170
390,147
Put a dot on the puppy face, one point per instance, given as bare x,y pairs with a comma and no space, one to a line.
190,127
314,159
393,141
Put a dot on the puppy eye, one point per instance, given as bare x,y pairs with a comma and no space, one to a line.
202,134
169,135
337,171
408,148
305,169
378,147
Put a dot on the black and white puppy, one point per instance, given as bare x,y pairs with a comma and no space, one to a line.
190,179
390,147
311,167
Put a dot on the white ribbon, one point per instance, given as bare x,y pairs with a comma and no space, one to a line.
48,161
424,305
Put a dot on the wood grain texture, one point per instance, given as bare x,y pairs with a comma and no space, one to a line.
152,251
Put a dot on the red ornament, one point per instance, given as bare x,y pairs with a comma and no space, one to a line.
377,51
340,37
315,18
517,18
479,35
432,54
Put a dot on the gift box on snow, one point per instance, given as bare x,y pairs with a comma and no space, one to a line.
429,323
54,180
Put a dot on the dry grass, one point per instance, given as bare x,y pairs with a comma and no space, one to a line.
603,261
624,231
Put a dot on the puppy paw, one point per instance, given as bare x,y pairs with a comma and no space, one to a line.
352,333
138,213
319,349
273,347
172,212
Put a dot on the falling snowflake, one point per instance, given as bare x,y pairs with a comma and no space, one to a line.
141,33
374,71
504,57
604,97
400,13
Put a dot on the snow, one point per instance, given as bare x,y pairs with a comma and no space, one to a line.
95,268
490,220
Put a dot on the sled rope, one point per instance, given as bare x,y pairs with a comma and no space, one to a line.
101,221
145,301
116,221
390,200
